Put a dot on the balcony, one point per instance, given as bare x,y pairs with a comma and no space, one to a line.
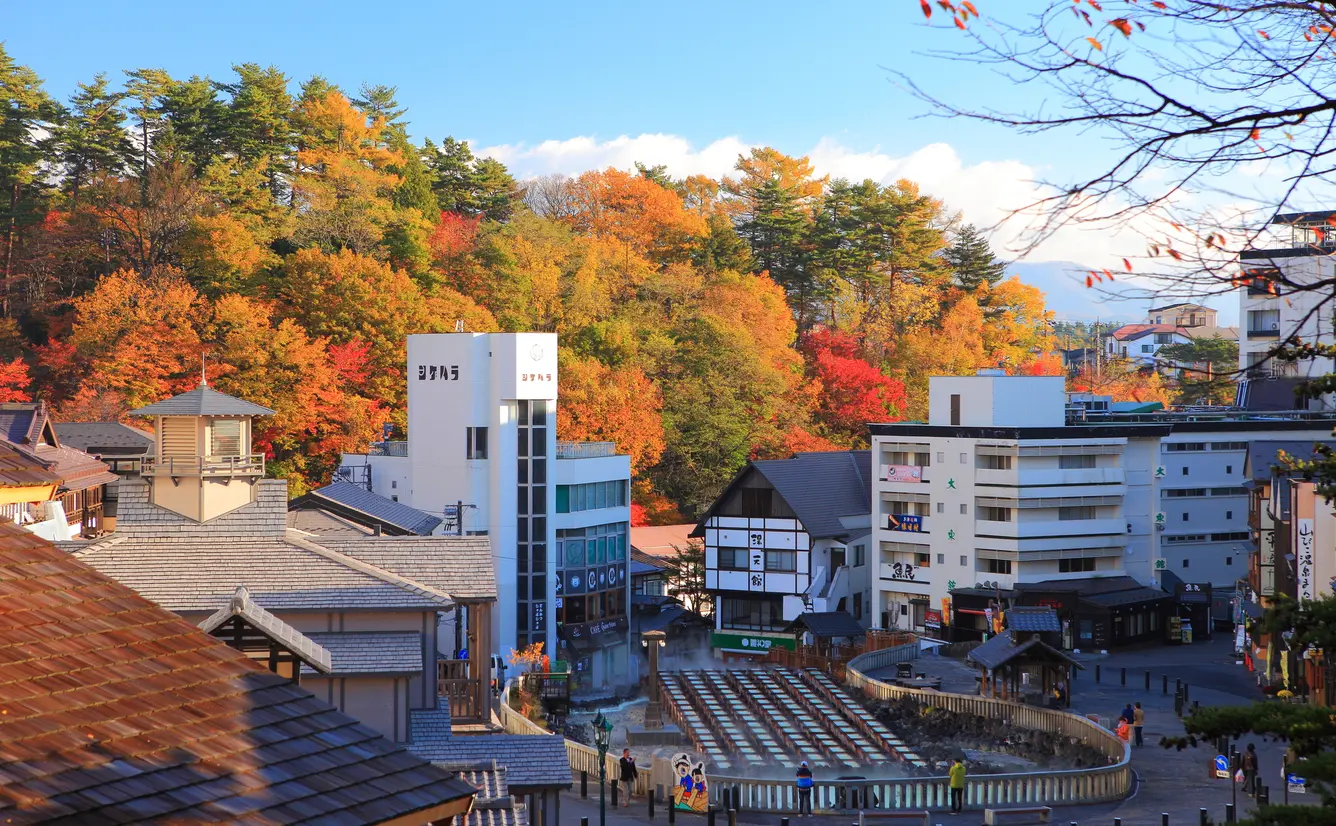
1272,332
1026,529
389,448
905,523
203,466
1051,477
586,450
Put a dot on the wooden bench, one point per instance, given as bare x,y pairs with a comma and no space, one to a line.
896,817
1042,812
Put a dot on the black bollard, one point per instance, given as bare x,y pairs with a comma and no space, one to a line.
1194,705
1123,676
1185,693
1164,819
783,821
1164,687
1178,686
672,811
1263,795
709,818
1204,817
584,821
614,785
1148,681
584,784
732,817
650,795
1229,812
1117,821
1097,672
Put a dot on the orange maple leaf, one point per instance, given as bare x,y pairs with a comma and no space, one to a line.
927,9
969,7
960,23
1264,35
1255,134
1122,25
1095,6
1090,282
1158,5
1127,264
1173,252
1095,43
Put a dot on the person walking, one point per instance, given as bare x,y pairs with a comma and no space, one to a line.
1127,714
1249,765
957,775
805,783
1138,721
629,773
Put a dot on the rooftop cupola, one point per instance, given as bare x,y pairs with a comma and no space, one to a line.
201,464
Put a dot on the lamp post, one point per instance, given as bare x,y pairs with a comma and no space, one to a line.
652,641
602,733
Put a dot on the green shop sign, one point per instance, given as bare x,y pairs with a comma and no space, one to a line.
757,643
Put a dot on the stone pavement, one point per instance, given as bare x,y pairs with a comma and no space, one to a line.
1171,781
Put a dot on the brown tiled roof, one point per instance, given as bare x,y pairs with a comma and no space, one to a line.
19,469
115,711
77,469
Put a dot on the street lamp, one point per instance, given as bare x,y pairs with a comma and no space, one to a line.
653,641
602,733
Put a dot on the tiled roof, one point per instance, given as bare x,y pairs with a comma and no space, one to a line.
661,540
22,422
647,560
374,507
820,487
1025,618
828,624
203,401
1131,332
187,566
20,469
460,566
323,523
431,727
118,712
531,760
241,606
112,438
370,652
1005,647
77,470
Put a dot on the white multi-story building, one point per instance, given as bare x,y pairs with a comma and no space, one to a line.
996,491
1173,324
1270,313
482,452
787,537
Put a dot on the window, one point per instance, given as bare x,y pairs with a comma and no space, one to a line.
394,484
941,507
964,560
858,606
225,437
1186,537
1075,566
902,508
1185,516
923,561
1185,562
995,566
964,509
941,559
1229,445
1229,560
756,502
1263,321
1075,462
394,497
750,613
590,496
1236,491
1229,468
860,556
955,409
991,514
475,439
1231,536
1183,447
1164,338
1180,493
1070,514
1229,514
941,457
1185,471
1148,348
995,462
781,560
964,458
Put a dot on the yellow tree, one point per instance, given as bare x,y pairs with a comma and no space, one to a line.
1017,326
616,404
644,217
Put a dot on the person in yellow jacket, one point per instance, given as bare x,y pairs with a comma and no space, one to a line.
957,786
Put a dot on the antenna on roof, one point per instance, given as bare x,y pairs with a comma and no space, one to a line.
203,379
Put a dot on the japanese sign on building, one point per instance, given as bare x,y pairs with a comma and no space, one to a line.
1304,557
905,522
438,372
902,570
901,473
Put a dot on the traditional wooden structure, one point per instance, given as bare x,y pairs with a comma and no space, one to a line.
1003,660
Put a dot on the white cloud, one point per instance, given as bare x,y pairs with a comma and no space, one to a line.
985,193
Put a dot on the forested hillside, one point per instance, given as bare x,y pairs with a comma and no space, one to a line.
291,235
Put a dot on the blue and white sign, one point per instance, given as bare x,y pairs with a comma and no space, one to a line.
1222,766
1296,784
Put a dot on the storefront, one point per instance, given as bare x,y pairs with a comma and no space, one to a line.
1192,605
971,612
742,646
1104,612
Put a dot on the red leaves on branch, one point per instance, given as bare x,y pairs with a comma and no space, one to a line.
1122,25
1127,264
1095,43
14,381
927,9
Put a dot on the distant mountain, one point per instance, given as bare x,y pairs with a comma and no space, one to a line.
1066,294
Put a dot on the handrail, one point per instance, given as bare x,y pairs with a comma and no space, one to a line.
252,463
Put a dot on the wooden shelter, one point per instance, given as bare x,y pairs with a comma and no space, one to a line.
1003,660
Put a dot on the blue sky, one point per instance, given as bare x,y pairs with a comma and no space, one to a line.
560,87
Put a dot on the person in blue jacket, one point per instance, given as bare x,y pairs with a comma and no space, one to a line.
805,783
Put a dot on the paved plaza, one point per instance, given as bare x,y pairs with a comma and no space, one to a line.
1176,782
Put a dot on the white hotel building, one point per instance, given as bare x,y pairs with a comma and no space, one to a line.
482,452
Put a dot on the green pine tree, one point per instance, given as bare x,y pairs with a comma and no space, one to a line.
24,109
90,135
258,123
972,260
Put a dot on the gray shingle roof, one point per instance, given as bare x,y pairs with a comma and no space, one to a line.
1005,647
1025,618
829,624
323,523
376,507
104,438
822,487
370,652
203,401
1264,455
531,761
460,566
242,606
